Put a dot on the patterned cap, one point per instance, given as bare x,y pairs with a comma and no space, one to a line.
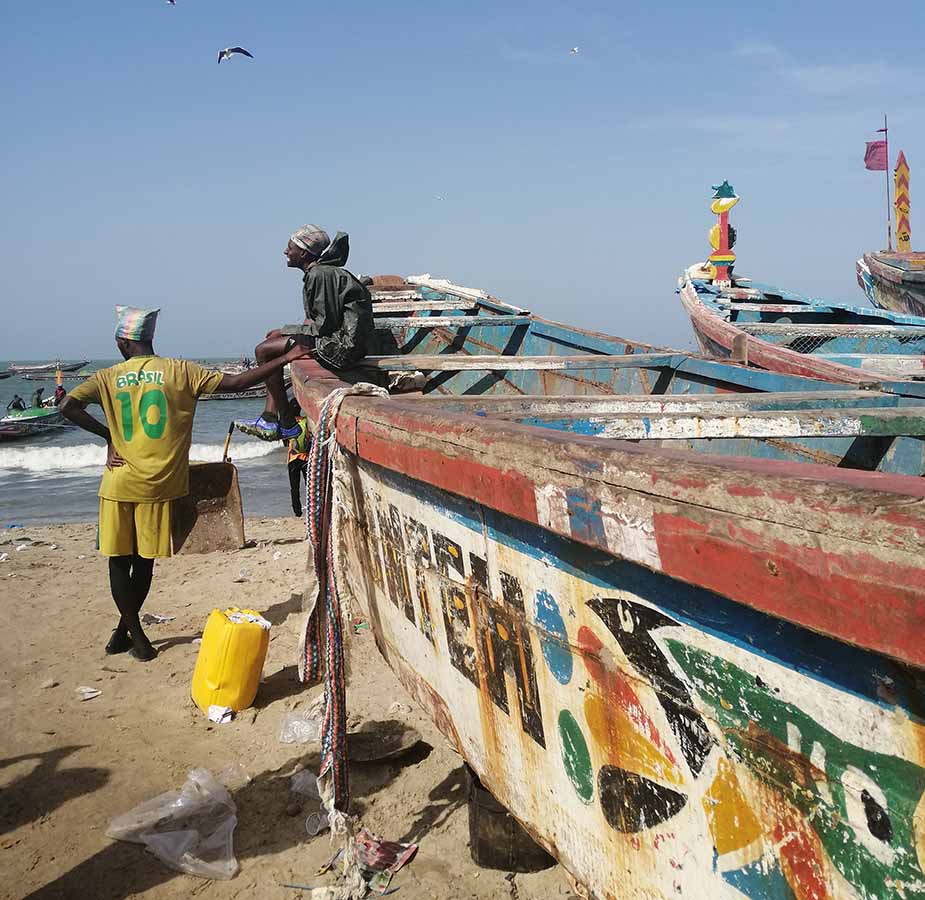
136,324
312,238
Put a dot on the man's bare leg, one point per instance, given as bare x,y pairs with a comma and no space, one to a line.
277,406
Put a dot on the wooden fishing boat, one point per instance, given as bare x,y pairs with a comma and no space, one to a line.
787,332
51,367
897,281
29,422
684,674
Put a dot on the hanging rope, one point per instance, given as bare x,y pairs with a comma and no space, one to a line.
322,648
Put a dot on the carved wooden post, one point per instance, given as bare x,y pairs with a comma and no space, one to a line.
901,204
722,257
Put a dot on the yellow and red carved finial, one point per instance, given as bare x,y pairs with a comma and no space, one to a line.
722,258
901,204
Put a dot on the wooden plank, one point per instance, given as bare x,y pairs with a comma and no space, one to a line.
385,306
640,425
517,407
456,362
829,329
450,321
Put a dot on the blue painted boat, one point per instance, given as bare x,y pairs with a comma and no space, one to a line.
897,281
685,674
786,332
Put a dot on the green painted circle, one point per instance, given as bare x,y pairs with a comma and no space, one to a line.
575,756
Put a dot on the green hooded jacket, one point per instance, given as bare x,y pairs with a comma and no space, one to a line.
339,307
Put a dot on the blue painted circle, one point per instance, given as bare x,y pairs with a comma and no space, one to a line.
553,637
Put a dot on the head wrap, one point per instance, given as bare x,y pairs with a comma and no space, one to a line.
136,324
311,238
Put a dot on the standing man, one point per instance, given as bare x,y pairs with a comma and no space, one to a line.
149,402
297,459
339,331
37,398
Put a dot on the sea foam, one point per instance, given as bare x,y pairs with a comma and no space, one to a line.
84,459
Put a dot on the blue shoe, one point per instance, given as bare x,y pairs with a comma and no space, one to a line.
261,428
292,432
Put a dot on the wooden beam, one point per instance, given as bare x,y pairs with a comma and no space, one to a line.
640,425
416,305
450,321
823,329
457,362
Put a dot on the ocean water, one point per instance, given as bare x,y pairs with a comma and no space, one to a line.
54,478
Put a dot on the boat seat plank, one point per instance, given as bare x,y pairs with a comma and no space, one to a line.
824,329
743,424
450,321
384,306
460,363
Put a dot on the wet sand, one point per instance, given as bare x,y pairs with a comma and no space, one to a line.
68,766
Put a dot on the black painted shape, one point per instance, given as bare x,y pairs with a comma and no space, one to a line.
878,819
396,574
511,591
512,655
646,656
479,569
631,803
418,537
455,607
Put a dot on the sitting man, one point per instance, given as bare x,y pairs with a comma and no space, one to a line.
338,332
149,402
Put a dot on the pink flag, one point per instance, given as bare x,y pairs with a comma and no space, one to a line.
875,156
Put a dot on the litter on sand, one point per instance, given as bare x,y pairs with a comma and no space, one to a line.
87,693
306,783
221,715
379,860
4,557
155,619
190,830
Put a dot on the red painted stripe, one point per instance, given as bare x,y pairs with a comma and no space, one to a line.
854,596
503,489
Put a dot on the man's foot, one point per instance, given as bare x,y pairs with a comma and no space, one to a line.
119,642
144,653
287,432
265,429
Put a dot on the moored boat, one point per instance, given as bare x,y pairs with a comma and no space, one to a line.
685,675
897,281
29,422
51,367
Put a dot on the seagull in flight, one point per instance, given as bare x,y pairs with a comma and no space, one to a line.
573,51
228,52
171,2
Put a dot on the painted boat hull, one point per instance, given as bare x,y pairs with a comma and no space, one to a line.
685,676
897,281
48,367
30,423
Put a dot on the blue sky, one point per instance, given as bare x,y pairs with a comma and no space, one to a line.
458,139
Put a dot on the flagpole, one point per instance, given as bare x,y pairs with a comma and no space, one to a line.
889,214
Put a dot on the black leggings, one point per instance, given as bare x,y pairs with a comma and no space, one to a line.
130,581
297,475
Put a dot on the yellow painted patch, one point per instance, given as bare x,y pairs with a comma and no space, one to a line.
505,634
732,823
625,745
458,602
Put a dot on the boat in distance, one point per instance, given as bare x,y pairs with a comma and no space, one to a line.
897,281
685,674
47,368
16,424
786,332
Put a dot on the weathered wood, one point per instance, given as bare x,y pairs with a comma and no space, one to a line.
645,425
460,363
829,329
384,306
450,321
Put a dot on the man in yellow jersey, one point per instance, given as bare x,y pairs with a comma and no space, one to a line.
149,402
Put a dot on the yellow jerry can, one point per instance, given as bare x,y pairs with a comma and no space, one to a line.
231,657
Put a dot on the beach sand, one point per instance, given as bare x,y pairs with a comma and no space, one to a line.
68,766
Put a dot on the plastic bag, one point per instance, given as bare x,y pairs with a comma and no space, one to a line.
302,726
190,830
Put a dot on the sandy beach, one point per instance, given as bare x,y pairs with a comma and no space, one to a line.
68,766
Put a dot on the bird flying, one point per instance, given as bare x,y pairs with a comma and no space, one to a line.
228,52
171,2
573,51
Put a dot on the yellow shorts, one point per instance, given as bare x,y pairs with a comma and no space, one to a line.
134,528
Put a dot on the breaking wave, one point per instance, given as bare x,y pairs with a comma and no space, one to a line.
84,459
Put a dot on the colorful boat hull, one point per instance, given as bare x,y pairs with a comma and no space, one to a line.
686,676
897,281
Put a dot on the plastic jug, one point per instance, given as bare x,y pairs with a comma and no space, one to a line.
231,657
